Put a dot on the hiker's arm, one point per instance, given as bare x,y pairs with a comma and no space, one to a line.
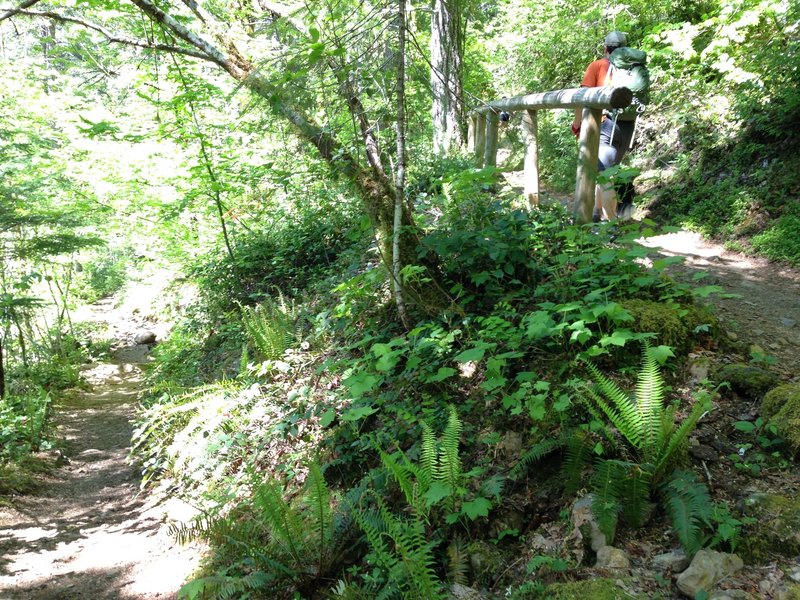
589,79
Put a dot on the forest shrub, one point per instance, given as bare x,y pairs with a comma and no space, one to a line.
779,241
295,253
103,274
23,424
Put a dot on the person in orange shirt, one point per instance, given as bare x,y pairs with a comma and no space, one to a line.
615,136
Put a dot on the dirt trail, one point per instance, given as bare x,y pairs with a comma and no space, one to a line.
89,533
765,314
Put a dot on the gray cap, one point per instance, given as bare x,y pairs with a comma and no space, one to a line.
616,38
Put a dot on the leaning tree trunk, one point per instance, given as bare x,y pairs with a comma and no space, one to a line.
374,186
447,43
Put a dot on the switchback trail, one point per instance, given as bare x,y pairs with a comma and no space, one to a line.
90,533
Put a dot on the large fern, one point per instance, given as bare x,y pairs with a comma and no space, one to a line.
295,541
654,436
438,475
270,326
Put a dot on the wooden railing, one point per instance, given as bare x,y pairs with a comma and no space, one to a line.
483,130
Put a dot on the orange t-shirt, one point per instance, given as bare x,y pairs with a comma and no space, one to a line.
597,74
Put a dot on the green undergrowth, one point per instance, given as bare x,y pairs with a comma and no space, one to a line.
382,451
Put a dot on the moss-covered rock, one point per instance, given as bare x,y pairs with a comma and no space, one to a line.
775,399
675,324
776,530
792,592
588,589
748,380
486,562
781,407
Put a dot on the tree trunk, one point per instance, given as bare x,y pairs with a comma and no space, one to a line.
400,167
447,51
2,371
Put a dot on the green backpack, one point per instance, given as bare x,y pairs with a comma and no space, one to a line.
629,69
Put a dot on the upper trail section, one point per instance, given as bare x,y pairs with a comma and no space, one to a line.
90,533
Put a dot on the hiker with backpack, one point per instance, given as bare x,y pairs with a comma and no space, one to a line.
620,66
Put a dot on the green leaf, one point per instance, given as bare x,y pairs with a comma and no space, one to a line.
316,52
477,508
661,353
360,383
438,491
540,325
327,417
354,414
442,374
473,354
618,338
745,426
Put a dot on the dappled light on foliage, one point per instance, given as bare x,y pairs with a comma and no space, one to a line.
248,272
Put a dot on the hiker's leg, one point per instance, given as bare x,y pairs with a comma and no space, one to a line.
605,199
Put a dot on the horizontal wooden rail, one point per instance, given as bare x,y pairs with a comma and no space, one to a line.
483,133
596,97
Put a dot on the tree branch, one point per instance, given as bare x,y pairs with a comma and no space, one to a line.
15,11
110,36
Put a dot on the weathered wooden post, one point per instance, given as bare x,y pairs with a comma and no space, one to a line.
530,125
480,138
587,165
471,133
490,155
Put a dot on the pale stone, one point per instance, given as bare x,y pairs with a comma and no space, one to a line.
675,561
708,568
609,557
585,524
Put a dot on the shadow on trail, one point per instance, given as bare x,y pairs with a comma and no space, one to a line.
68,587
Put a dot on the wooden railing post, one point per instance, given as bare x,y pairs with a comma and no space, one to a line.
480,138
530,126
490,155
471,133
587,165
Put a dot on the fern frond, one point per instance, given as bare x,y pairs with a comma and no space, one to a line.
621,410
319,501
449,458
650,403
427,459
283,521
606,487
415,557
410,479
679,436
537,452
576,455
270,326
689,507
223,586
457,561
635,492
